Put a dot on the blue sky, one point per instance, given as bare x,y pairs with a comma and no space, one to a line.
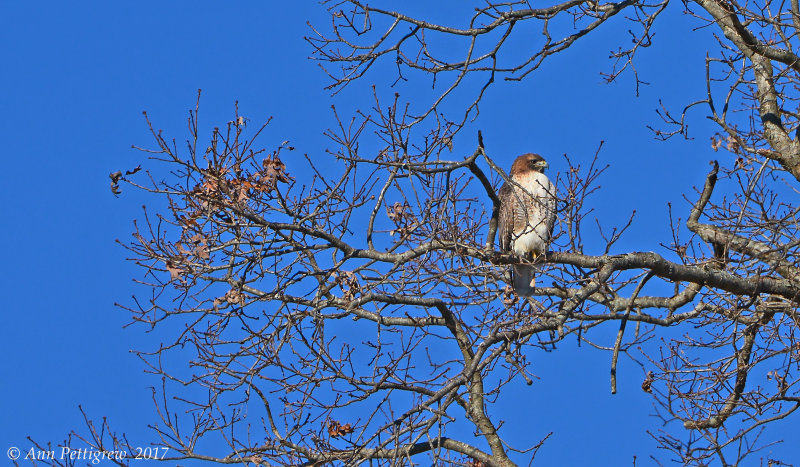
76,78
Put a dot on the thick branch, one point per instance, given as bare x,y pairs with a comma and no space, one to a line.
718,236
787,151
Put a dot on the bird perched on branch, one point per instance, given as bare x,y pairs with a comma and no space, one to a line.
527,216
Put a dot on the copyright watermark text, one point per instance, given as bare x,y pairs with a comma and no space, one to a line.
92,455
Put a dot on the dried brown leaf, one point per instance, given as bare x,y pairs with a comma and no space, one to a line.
509,297
135,169
201,251
115,178
234,296
648,382
174,271
715,143
182,250
732,144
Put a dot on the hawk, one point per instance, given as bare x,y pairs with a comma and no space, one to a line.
527,216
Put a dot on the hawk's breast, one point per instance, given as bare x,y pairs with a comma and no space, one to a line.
534,216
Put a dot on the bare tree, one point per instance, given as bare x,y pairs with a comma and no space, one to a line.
365,314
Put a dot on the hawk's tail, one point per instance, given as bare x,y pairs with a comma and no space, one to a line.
523,279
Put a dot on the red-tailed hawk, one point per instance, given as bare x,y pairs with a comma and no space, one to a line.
527,216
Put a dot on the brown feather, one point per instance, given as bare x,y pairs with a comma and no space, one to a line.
505,219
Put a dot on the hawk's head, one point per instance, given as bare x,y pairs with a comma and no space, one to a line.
528,162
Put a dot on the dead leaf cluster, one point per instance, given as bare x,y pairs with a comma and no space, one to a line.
509,297
117,176
731,144
216,185
232,296
336,429
348,282
199,247
648,382
403,218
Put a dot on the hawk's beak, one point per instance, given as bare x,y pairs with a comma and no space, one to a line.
542,165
